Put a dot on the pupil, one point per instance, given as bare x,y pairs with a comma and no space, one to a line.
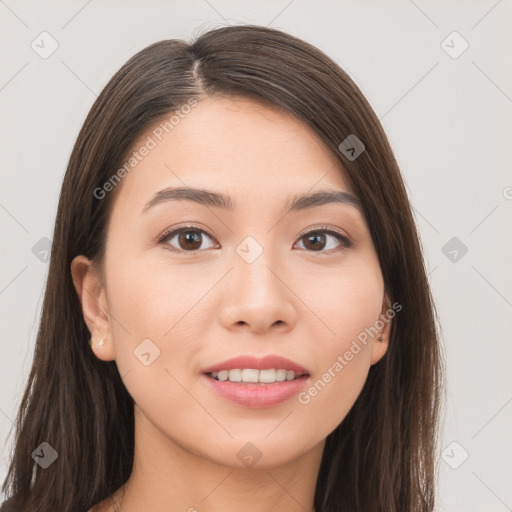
189,237
315,236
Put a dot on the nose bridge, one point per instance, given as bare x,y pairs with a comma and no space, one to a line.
253,262
256,295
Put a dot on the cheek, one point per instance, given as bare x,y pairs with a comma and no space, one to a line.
348,302
155,324
341,301
331,394
150,296
157,340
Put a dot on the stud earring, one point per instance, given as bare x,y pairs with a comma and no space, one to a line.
380,338
101,341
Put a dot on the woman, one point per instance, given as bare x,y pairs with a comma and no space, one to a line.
237,311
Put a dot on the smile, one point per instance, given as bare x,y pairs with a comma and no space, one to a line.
252,375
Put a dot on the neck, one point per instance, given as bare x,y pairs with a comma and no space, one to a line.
169,477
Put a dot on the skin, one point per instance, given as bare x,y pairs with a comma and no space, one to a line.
305,304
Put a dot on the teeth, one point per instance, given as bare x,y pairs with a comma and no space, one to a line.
254,376
280,375
249,375
223,375
235,375
267,376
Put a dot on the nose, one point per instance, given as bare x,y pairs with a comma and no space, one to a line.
257,297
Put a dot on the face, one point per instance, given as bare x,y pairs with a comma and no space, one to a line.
188,285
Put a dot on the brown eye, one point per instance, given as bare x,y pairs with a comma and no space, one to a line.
315,241
318,240
189,240
186,239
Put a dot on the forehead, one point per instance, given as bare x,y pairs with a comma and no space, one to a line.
236,146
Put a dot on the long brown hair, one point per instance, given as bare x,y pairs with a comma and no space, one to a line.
382,457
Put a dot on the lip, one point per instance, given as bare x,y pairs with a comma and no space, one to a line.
257,396
267,362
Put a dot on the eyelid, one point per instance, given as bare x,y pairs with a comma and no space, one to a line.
176,229
326,229
342,237
166,235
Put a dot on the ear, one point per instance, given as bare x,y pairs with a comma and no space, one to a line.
92,296
381,340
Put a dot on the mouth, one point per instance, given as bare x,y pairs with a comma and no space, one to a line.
254,376
269,369
254,382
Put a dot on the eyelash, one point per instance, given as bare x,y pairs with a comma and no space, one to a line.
167,235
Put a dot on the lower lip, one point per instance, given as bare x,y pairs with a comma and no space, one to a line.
257,396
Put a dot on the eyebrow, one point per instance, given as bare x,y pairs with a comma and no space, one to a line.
218,200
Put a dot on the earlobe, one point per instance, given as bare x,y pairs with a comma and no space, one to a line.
102,347
379,349
381,342
91,293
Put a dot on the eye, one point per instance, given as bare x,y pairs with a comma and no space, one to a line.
317,240
187,238
191,239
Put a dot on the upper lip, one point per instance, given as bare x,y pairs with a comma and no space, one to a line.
259,363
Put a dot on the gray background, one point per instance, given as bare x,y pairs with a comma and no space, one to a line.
448,120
